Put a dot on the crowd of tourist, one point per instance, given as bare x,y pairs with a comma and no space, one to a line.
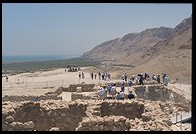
139,79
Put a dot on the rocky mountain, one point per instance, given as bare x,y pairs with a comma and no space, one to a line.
156,50
172,55
129,44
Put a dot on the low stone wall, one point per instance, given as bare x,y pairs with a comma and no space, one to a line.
28,98
160,93
42,116
75,96
73,88
150,116
122,108
111,123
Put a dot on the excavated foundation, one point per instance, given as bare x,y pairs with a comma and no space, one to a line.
151,110
159,93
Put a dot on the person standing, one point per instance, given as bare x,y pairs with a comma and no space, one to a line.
99,75
6,78
158,79
122,85
125,77
82,75
92,75
141,79
122,95
79,75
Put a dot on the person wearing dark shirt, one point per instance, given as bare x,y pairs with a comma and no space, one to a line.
130,95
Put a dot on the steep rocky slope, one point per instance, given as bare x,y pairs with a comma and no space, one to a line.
129,44
157,50
172,55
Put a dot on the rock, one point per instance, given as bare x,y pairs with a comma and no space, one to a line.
137,120
49,113
152,128
146,117
106,128
11,112
54,129
68,119
85,123
42,114
167,121
9,119
127,123
101,127
153,118
92,122
109,121
95,128
63,114
174,128
114,128
122,119
99,120
16,125
53,120
128,109
79,90
28,125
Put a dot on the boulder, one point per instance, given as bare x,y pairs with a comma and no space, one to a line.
28,125
78,89
63,114
16,125
92,122
95,128
174,128
9,119
146,117
54,129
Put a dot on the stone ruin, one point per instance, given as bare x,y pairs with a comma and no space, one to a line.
151,110
53,95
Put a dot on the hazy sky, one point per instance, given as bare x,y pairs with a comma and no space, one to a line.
72,29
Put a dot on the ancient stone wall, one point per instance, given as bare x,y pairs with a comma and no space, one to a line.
115,115
27,98
75,96
73,88
43,116
130,109
159,93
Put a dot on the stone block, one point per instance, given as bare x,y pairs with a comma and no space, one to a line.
78,89
16,125
9,119
146,117
28,125
54,129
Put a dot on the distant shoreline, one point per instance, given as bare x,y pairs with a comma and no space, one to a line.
33,66
30,58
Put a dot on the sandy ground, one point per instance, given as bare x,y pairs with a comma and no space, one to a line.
39,83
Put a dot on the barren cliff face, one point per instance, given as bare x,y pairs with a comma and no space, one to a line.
128,44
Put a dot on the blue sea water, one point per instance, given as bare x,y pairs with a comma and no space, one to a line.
25,58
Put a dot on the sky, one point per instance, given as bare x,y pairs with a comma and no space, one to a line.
76,28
